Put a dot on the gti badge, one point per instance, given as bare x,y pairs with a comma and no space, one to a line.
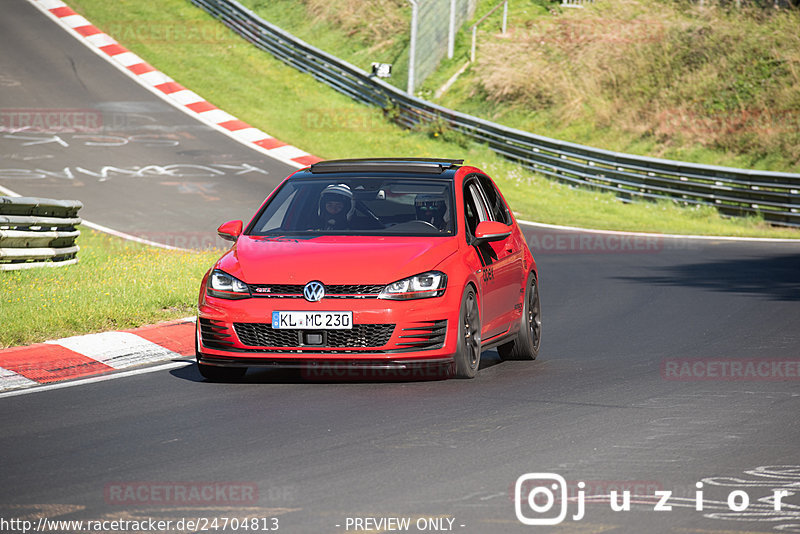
314,291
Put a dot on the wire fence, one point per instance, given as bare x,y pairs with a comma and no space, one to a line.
735,192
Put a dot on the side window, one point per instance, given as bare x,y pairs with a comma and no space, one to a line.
498,208
475,210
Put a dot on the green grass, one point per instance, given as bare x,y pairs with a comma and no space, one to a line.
293,107
357,31
661,78
653,77
116,284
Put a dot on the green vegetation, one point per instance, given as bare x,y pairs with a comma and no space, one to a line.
116,284
654,77
358,31
259,89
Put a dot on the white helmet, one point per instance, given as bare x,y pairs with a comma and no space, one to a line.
339,193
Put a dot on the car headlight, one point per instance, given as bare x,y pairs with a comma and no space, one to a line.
421,286
225,286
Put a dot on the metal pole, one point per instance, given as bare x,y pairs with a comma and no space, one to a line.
412,52
451,36
505,16
474,38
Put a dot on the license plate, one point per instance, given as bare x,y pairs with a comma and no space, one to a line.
327,320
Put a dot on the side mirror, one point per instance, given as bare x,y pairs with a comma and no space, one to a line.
230,230
488,231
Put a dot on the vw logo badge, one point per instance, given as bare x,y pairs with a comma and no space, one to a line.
314,291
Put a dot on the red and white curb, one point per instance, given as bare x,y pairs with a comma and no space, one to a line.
170,90
94,354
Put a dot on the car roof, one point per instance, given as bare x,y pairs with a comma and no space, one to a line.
416,166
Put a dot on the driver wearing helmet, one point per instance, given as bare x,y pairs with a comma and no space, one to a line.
336,207
432,210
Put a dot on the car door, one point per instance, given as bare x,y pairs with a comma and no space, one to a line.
514,267
501,261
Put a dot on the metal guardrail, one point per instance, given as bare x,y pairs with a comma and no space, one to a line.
732,191
38,232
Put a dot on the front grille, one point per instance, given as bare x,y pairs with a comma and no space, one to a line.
361,336
276,290
353,290
426,335
358,291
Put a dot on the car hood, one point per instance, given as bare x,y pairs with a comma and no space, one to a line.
334,259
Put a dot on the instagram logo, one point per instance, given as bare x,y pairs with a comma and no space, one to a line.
540,491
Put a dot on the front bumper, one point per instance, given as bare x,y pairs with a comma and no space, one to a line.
396,336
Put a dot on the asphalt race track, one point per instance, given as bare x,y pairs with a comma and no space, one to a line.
636,386
138,164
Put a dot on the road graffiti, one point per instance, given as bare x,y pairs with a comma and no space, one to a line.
108,172
8,81
94,140
26,157
766,483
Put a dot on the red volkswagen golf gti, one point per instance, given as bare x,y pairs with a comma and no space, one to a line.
384,265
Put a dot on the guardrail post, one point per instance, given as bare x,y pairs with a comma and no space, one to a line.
451,33
504,3
474,38
412,52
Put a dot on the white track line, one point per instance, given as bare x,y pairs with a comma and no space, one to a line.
667,236
129,237
93,380
100,228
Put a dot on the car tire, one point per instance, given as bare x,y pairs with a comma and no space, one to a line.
215,373
468,351
221,374
526,344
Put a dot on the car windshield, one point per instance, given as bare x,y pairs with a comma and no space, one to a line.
359,206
